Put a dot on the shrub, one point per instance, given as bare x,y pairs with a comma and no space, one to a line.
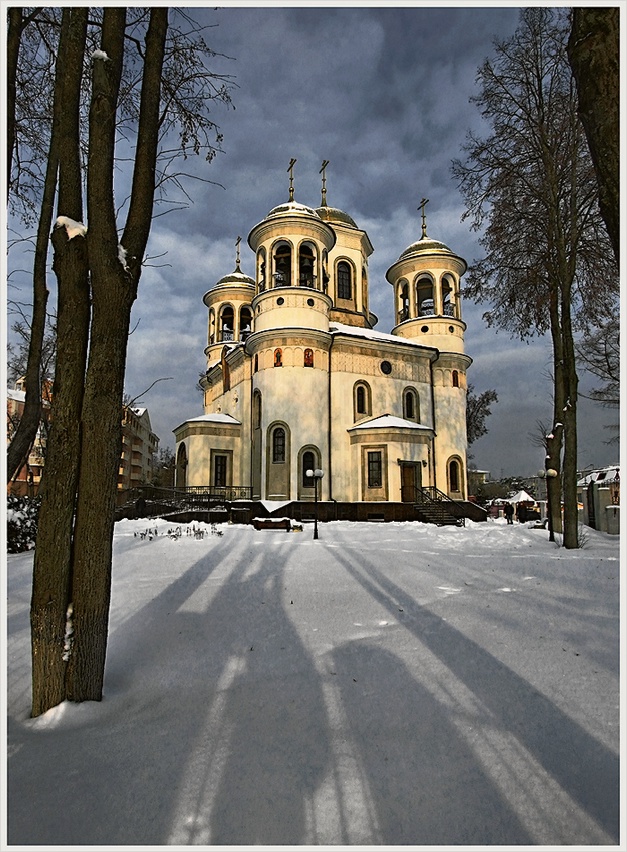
21,523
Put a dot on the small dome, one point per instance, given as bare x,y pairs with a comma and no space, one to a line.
426,245
292,207
236,277
332,214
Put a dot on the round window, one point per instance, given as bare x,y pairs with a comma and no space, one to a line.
386,367
424,329
311,303
280,300
451,329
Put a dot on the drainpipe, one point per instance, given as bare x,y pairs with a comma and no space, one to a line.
431,363
329,466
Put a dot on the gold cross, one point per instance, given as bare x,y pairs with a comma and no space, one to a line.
423,203
323,172
290,169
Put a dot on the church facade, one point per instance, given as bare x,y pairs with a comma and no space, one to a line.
297,379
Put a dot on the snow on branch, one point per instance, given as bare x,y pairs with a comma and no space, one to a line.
73,228
100,54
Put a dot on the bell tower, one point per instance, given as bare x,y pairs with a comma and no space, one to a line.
426,281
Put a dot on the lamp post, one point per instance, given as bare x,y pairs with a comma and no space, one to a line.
549,473
316,475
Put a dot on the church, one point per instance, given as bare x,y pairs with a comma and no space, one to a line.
302,397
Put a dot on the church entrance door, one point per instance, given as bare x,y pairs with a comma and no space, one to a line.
411,479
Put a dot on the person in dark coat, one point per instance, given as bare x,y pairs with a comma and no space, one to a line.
508,511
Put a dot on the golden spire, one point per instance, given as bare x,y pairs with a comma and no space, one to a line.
423,203
290,169
323,172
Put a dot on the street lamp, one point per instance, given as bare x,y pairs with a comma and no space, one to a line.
549,473
316,475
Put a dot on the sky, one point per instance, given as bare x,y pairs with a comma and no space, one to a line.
382,93
383,685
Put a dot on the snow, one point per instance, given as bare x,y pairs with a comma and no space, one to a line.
73,228
122,254
100,54
387,421
521,497
370,334
218,417
385,684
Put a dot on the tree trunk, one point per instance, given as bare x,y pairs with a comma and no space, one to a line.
593,52
100,453
53,551
571,513
113,288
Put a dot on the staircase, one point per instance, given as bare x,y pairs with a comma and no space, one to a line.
434,507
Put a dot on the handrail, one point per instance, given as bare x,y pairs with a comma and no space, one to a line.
433,495
189,495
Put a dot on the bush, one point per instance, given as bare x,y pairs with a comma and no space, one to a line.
22,515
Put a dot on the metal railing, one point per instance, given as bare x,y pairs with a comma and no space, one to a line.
430,495
189,497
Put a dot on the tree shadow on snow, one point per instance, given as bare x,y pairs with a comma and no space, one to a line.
583,767
236,764
423,780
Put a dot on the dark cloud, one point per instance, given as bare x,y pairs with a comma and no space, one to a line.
384,94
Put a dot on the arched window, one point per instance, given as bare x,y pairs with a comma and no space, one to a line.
212,326
245,322
403,312
455,377
278,445
411,405
181,467
306,275
362,402
257,410
261,270
226,323
344,283
256,363
424,297
308,462
278,358
448,288
308,359
454,476
325,274
282,265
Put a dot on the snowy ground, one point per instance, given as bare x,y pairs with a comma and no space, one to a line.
387,684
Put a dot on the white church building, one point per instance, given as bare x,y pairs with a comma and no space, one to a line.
297,379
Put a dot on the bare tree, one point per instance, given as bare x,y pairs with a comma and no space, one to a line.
548,265
599,351
478,409
98,267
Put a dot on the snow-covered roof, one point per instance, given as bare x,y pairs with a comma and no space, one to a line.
522,497
370,334
211,418
607,474
389,421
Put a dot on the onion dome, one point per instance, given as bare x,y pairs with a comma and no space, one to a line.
433,248
334,216
426,245
292,207
236,277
